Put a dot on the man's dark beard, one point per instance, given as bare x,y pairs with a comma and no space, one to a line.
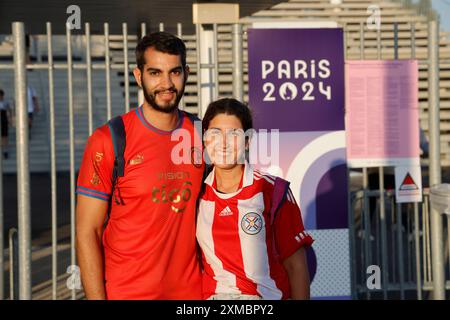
151,99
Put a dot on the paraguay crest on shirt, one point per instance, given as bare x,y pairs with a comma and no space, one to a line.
252,223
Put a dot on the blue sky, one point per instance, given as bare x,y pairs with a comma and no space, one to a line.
443,8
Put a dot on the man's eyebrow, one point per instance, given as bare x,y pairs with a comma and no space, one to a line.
152,69
179,68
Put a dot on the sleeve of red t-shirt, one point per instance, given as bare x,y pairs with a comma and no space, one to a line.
95,175
290,234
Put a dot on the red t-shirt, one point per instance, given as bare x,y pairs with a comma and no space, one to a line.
149,241
236,238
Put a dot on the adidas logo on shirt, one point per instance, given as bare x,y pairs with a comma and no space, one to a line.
226,212
301,236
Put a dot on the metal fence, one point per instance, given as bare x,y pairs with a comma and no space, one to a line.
398,227
406,241
21,64
397,240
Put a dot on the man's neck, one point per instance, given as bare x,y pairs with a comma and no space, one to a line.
160,120
227,180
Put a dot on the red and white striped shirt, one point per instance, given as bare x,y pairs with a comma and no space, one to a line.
235,236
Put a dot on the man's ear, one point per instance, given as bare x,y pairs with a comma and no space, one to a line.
137,76
187,70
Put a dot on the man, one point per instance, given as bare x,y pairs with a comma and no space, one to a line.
147,249
33,107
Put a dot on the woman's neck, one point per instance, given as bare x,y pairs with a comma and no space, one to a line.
227,180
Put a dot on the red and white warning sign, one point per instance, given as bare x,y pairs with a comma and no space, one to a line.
408,184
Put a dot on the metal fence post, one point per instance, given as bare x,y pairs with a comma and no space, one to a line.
51,98
238,74
199,70
181,105
399,223
126,71
107,72
216,61
23,173
71,147
416,205
140,95
437,244
87,28
13,265
2,237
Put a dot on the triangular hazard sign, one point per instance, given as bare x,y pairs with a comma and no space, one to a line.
408,183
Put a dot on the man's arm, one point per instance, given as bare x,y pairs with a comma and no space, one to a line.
90,218
297,269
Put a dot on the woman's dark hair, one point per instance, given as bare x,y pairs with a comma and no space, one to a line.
230,107
162,41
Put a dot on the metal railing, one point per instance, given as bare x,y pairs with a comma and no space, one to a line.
435,223
20,67
410,255
399,241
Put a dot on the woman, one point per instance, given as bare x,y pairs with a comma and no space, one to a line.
245,254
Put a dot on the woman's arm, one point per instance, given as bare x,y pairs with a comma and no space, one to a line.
297,269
